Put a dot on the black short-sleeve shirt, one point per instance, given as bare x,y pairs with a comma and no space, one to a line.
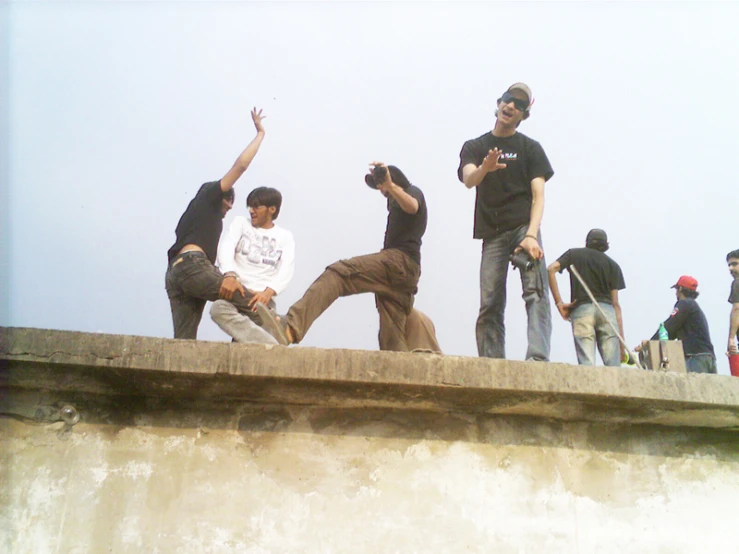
599,271
503,198
734,294
202,222
404,231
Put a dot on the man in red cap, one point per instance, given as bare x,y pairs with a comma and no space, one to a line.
508,170
687,323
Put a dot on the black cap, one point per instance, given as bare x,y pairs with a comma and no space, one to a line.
597,239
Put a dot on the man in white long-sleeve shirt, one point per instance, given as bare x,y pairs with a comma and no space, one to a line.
261,255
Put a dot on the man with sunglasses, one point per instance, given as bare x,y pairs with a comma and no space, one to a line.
508,170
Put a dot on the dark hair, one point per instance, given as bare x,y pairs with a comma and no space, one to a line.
733,254
229,194
688,293
398,177
265,196
597,244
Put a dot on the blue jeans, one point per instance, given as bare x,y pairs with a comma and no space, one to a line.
490,330
701,363
589,328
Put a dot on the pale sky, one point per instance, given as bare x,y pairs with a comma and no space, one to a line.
114,114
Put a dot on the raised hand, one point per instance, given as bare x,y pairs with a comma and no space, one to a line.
257,117
491,163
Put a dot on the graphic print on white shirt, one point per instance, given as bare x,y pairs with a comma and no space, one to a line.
260,258
259,249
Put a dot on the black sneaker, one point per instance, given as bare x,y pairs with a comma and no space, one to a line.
270,323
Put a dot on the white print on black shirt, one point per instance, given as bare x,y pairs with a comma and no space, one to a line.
259,250
509,156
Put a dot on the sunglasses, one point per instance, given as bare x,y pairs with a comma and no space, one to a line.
507,98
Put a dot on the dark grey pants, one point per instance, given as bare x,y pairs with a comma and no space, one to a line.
191,281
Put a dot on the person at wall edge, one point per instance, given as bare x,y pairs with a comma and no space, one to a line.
604,278
192,279
508,171
732,259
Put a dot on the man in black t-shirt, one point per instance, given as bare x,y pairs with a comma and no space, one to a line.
508,171
191,277
391,274
732,258
687,323
604,278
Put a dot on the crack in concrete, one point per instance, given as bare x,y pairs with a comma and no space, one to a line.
55,352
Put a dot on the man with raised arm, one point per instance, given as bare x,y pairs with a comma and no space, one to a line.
191,277
261,255
391,274
508,170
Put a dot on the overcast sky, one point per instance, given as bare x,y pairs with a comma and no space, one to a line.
116,112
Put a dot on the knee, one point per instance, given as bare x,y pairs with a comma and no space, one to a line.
220,308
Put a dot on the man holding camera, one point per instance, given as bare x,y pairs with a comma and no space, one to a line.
508,171
391,274
604,278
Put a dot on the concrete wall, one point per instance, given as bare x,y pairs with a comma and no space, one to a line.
276,463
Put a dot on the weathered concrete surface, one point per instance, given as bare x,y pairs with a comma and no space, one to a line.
218,448
143,366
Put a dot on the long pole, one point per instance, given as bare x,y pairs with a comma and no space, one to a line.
576,273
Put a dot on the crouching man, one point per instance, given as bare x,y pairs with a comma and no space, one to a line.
391,274
260,255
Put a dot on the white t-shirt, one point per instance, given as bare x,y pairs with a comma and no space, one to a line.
260,257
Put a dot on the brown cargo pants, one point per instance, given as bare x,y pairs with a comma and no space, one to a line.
390,274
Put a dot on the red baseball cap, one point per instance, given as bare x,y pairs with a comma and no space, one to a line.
687,282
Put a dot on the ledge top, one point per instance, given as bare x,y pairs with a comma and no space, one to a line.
96,363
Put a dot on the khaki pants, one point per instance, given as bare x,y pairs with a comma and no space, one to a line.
390,274
420,332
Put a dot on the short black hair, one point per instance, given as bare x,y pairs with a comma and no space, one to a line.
265,196
398,177
229,194
688,293
733,254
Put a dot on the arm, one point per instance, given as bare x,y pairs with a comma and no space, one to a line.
225,259
733,329
619,319
530,243
564,309
406,202
473,175
245,158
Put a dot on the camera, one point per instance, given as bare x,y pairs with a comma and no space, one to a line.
522,260
378,175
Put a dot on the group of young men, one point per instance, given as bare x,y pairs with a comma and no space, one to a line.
508,171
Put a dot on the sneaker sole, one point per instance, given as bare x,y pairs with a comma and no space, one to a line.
271,325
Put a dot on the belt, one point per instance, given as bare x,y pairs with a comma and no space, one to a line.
181,257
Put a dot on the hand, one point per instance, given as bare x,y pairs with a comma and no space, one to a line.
490,163
641,346
385,185
257,117
624,355
531,245
229,286
732,348
264,297
565,309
